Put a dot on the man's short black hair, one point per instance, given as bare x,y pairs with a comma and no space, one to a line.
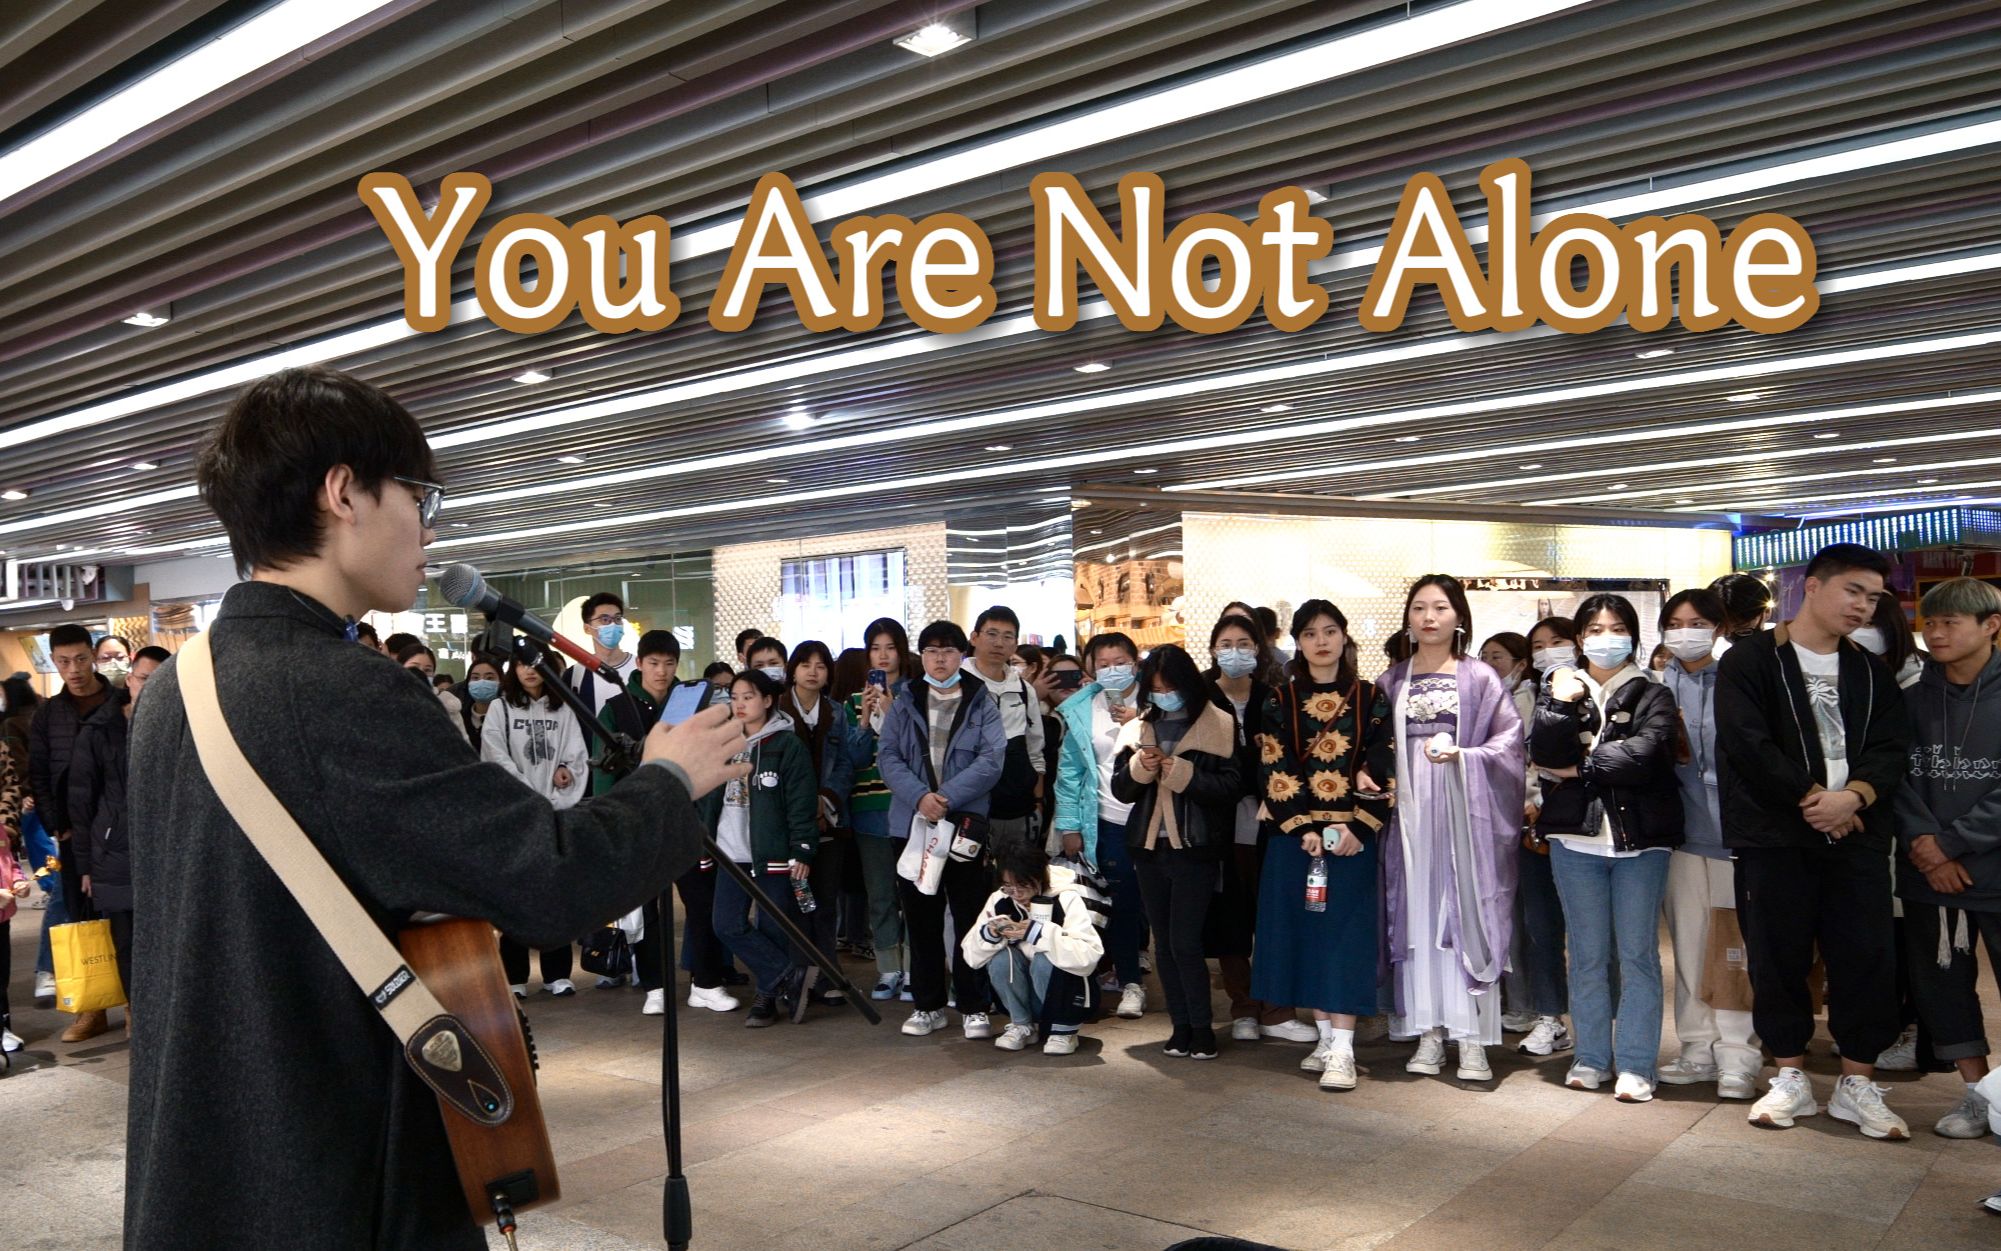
1108,640
1838,558
659,643
260,472
599,600
765,643
1001,613
68,636
745,638
363,630
395,643
158,655
942,634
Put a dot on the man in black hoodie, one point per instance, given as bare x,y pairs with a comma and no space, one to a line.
1812,740
1949,818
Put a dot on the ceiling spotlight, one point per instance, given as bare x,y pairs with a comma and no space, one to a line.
145,465
1409,438
1276,408
1684,501
533,376
1091,367
1533,465
569,460
16,494
1654,354
1144,472
1616,486
1926,481
1886,460
937,38
1745,397
147,319
778,481
1828,434
1000,447
798,419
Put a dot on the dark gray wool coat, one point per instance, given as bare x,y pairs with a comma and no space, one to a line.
270,1105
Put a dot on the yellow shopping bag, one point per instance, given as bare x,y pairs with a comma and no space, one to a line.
86,967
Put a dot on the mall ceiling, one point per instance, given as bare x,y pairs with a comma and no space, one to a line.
1876,125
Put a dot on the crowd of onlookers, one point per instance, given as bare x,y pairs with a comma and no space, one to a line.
1479,840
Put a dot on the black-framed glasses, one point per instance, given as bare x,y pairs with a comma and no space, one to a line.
432,501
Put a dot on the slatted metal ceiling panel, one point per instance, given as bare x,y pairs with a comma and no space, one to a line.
1600,101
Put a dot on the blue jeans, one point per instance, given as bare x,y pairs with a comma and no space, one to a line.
764,949
1125,933
1023,988
1540,917
1613,905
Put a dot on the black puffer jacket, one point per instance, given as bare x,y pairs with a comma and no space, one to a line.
97,804
1202,780
1627,779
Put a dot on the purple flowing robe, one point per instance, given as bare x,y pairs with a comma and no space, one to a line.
1493,771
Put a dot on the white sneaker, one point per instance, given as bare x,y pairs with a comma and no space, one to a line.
922,1023
1294,1030
607,983
1015,1037
886,986
1145,962
1473,1066
1685,1072
1736,1086
562,987
977,1025
1340,1071
1968,1120
45,988
1900,1056
520,991
714,998
1518,1022
1132,1003
1859,1101
10,1041
1789,1098
1583,1077
655,1005
1632,1088
1549,1036
1317,1061
1245,1029
1430,1057
1060,1044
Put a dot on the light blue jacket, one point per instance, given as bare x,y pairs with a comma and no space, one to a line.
1077,770
1695,695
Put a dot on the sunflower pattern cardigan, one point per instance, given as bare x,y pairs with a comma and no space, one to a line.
1313,741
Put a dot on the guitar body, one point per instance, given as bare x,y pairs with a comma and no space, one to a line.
459,961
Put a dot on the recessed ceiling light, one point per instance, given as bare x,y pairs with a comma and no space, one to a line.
1886,460
1616,486
462,525
569,460
533,376
936,38
779,481
146,320
1409,438
798,419
1000,447
1926,481
1097,532
1091,367
145,465
1654,354
1828,434
1144,472
1684,501
1276,408
1533,465
1745,397
13,495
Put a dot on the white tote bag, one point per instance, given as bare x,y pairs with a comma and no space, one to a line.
923,861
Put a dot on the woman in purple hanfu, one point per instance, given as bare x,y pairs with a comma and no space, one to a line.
1449,858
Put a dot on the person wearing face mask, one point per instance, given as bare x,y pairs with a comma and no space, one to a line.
1612,729
1888,637
1538,912
767,655
1090,821
422,663
822,724
114,659
1507,654
1717,1044
1177,766
879,844
940,752
51,744
481,688
1239,654
604,617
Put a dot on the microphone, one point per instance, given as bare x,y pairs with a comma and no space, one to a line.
462,586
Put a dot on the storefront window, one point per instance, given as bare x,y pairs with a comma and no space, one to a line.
833,598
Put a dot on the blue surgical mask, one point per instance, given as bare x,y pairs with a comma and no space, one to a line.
608,636
1608,651
775,672
1236,662
1167,701
483,690
944,684
1117,679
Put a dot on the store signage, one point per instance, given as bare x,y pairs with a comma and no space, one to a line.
1209,273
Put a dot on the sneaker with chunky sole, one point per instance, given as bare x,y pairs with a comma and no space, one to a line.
1202,1044
1968,1120
977,1025
922,1023
1244,1029
1317,1061
1132,1001
1632,1088
1859,1101
1064,1044
886,986
1339,1074
1015,1037
1900,1056
1548,1036
1473,1066
655,1005
1685,1072
714,998
1789,1098
1430,1056
1583,1077
1736,1086
562,988
1295,1030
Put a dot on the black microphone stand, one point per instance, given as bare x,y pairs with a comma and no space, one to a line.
620,754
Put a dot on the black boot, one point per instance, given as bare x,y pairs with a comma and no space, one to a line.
763,1012
1177,1042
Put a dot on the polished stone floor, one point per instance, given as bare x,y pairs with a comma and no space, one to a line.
833,1135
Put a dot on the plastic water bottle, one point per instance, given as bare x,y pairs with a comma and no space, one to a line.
1316,885
802,894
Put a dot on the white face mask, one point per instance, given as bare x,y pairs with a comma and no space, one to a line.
1550,659
1690,645
1871,638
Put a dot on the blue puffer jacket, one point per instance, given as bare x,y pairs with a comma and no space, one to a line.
1077,771
973,755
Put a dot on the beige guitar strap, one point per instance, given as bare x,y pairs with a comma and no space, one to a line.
438,1046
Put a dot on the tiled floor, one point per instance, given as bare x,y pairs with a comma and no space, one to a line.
836,1135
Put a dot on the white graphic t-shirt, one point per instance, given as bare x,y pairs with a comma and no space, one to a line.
1823,688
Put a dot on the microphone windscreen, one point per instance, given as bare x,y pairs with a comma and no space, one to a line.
461,585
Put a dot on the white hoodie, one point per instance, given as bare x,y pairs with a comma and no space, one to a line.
733,823
532,742
1073,946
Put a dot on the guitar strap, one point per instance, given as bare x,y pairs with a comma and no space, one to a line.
442,1051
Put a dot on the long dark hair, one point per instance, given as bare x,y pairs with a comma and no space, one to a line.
515,693
1745,598
1455,594
1173,665
910,666
1305,615
1267,658
1619,606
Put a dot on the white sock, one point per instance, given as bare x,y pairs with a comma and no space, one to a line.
1342,1040
1326,1028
